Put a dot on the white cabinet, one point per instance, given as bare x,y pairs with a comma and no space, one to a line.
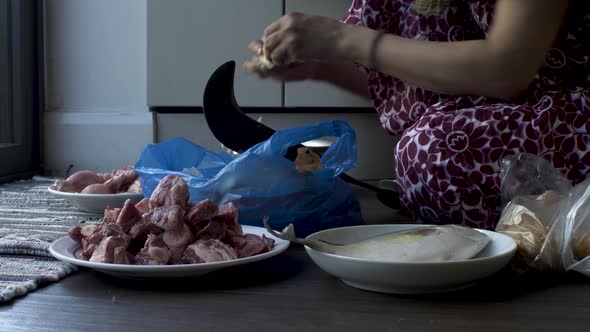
318,94
189,39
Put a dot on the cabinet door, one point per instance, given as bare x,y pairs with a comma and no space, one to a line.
318,94
189,39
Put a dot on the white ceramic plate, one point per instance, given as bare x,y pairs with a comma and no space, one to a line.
409,278
67,250
95,203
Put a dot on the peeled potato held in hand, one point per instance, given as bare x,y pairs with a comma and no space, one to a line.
307,161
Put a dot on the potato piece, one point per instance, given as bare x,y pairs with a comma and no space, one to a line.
307,161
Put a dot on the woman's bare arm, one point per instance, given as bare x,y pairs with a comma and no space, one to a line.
500,66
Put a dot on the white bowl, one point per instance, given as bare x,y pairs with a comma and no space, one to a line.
404,277
96,203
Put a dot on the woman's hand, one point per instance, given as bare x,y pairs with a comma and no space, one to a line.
297,37
288,73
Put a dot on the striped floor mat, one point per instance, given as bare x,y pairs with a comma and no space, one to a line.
30,219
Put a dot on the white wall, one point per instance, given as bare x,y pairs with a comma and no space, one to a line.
96,116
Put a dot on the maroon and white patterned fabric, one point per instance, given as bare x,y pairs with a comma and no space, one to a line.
448,158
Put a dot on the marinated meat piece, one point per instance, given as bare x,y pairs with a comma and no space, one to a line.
155,252
97,189
200,213
128,216
105,252
168,217
121,256
215,229
143,206
172,190
139,234
75,234
122,179
250,245
180,237
135,187
206,251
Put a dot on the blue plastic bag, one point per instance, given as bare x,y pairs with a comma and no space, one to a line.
261,182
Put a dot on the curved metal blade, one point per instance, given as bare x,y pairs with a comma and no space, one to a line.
228,123
239,132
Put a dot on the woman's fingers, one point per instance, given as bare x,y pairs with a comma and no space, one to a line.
270,43
255,47
281,55
273,27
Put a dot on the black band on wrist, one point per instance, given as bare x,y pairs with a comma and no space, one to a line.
373,52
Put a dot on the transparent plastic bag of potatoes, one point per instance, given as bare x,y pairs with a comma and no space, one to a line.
547,217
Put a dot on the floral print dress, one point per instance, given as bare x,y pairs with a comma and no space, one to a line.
448,157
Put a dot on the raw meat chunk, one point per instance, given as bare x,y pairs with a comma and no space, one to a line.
200,213
228,214
128,216
139,234
180,237
172,190
176,255
111,215
215,229
168,217
206,251
75,234
105,252
155,252
250,245
64,186
143,206
121,256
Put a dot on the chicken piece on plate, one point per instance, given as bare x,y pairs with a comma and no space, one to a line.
122,179
76,182
97,189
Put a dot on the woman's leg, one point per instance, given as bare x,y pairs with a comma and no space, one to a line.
448,163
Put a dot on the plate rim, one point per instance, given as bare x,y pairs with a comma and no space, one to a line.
509,252
95,196
280,247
